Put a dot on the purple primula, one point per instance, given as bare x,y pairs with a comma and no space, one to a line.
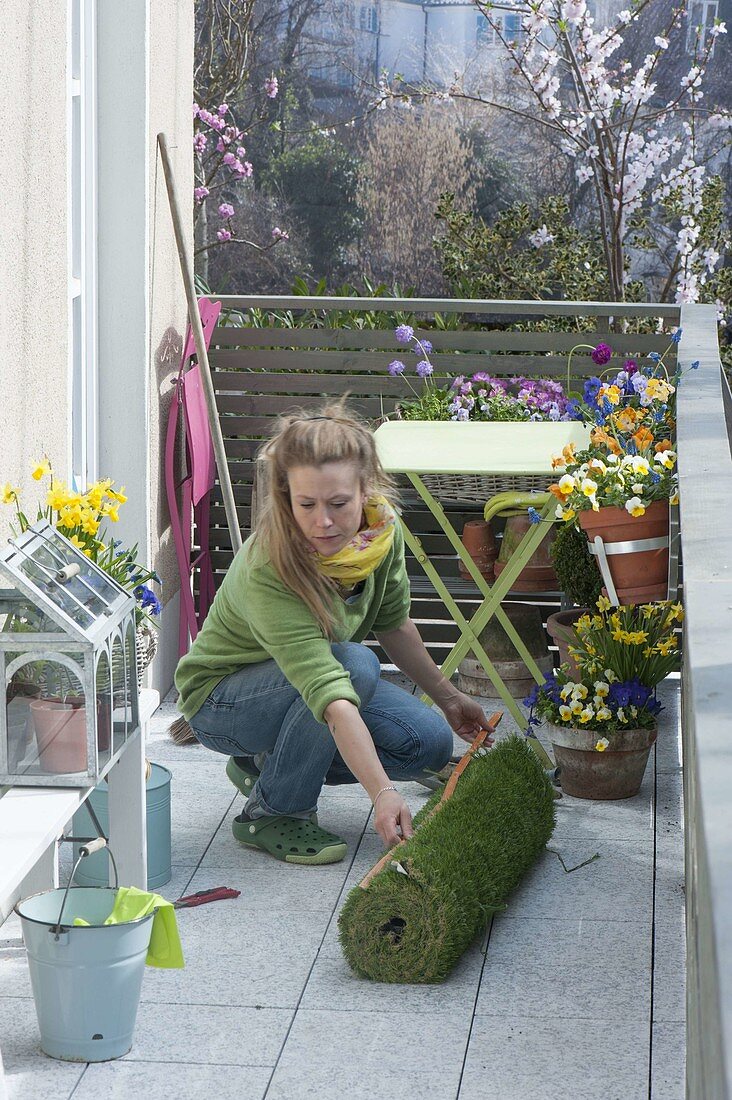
423,368
601,355
424,347
403,333
396,367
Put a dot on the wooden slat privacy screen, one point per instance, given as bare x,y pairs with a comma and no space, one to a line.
260,372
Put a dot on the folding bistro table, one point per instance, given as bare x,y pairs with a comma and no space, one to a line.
420,449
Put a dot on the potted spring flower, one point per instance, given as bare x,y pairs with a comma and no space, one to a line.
620,488
482,397
80,517
602,722
511,416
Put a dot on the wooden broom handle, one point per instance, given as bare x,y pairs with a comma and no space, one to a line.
447,793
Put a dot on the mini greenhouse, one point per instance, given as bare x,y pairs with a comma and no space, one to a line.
67,659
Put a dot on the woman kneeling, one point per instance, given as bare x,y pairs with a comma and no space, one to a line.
278,679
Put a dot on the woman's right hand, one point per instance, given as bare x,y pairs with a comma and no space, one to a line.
392,818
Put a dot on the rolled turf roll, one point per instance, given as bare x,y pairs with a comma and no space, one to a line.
461,865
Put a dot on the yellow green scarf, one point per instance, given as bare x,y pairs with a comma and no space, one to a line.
366,550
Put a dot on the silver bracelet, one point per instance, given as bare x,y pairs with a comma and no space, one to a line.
382,791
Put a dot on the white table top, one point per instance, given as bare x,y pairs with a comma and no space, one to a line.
448,447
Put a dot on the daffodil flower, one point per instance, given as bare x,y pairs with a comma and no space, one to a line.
41,469
8,495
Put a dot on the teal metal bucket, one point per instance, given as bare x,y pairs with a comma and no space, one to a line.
86,981
94,871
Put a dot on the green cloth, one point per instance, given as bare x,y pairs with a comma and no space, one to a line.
130,904
254,617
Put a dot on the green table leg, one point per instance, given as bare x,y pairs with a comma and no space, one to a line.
491,607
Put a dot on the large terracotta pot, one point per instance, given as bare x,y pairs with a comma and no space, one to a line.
613,774
560,628
639,575
527,622
61,736
538,574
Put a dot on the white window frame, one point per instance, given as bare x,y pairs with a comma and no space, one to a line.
710,11
82,241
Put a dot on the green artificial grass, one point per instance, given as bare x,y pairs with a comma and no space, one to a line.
461,866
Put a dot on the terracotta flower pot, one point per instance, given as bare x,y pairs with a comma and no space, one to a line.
559,627
639,576
538,574
613,774
61,736
480,542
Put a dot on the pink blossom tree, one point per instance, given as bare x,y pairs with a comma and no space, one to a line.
642,157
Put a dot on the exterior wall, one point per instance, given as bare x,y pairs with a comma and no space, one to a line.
145,85
171,97
34,337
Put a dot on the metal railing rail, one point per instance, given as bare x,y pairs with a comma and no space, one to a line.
705,475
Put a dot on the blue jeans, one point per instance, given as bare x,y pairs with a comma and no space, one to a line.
256,710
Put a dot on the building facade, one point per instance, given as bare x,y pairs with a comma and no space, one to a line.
93,304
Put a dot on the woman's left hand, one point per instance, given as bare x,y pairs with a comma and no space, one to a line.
464,715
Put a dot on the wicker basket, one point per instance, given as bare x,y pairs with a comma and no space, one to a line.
146,646
479,488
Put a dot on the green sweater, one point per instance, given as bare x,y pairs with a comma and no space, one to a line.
254,617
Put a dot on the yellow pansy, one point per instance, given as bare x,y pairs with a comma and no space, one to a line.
603,714
41,469
588,487
674,498
8,495
612,393
610,676
566,484
601,688
565,712
568,515
667,459
625,419
635,506
565,691
602,744
576,707
586,715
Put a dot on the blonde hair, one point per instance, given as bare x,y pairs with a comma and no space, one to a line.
330,434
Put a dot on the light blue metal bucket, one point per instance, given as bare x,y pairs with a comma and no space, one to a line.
86,981
94,871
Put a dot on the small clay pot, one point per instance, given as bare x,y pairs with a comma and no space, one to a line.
538,575
480,542
559,627
61,736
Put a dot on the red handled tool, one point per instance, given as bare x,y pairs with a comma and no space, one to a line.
219,893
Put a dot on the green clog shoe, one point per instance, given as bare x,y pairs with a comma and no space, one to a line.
243,773
290,839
